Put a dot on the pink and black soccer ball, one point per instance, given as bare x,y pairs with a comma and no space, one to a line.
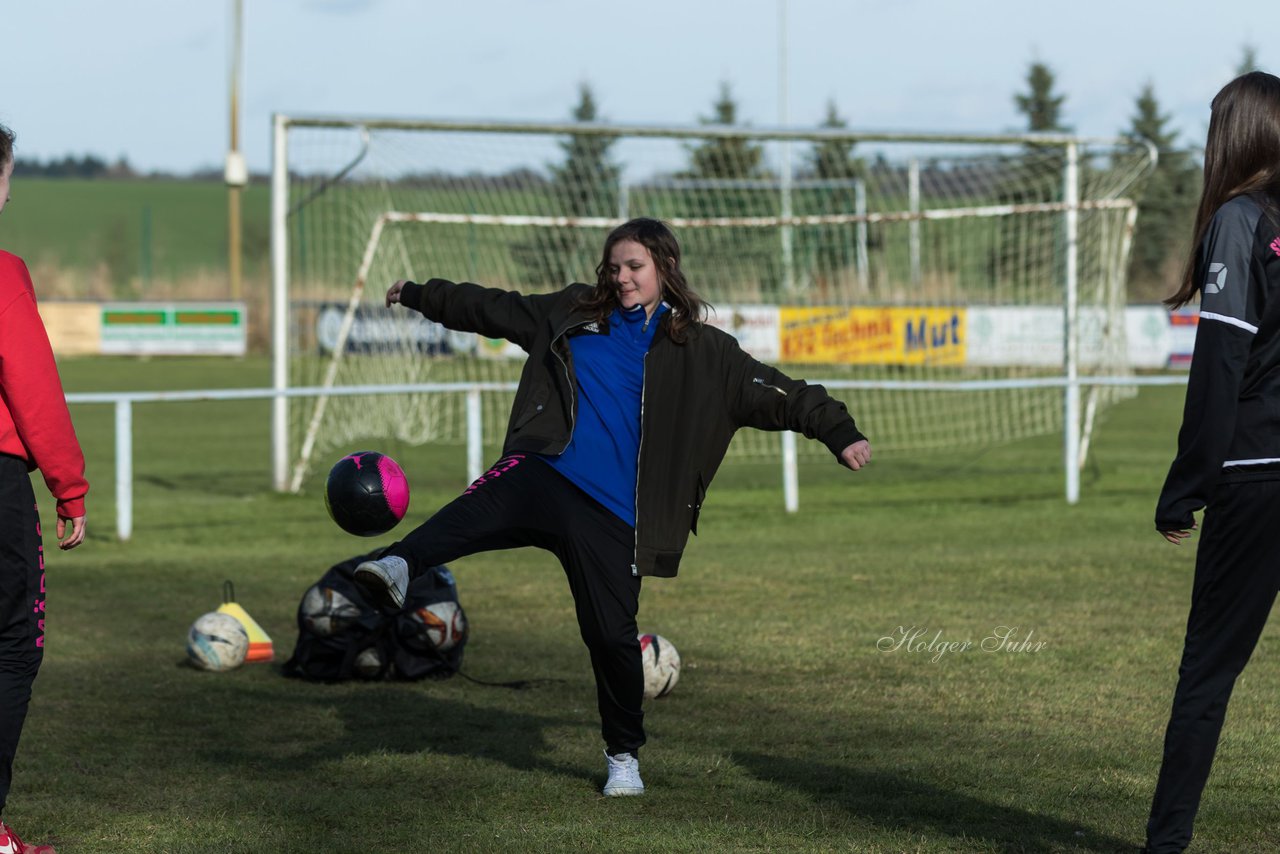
367,493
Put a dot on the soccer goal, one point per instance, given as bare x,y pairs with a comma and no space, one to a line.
956,290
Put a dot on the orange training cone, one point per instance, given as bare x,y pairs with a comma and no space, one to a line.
260,648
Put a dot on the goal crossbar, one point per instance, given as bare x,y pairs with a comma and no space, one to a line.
978,212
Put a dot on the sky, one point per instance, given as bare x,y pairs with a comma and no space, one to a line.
149,79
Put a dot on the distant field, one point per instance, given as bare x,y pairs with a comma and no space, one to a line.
82,224
789,731
140,238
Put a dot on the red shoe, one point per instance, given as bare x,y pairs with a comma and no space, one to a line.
11,844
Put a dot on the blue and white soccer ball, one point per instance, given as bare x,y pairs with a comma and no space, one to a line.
217,642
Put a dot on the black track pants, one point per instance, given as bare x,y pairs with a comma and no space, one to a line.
523,501
1237,573
21,608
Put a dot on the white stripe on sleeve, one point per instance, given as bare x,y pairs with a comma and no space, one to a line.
1247,327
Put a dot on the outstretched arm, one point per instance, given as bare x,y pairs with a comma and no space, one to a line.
763,397
466,307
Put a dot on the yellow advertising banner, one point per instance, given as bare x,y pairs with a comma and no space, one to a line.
73,327
873,336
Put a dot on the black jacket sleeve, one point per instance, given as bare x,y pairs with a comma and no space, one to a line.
763,397
1229,313
491,312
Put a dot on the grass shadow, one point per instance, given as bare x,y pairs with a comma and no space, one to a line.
402,719
918,806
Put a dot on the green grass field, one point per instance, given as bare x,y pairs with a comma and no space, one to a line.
789,731
167,229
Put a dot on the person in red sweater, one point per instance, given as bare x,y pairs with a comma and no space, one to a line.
35,433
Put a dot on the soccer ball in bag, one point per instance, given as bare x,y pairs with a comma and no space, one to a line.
440,626
368,664
661,666
326,612
217,642
367,493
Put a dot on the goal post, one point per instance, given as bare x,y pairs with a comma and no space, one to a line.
915,266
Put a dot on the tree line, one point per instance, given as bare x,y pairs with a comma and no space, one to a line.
91,166
68,166
587,182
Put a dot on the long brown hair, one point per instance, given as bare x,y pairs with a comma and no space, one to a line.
6,145
687,307
1241,155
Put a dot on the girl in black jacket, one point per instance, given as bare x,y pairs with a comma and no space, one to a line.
1228,458
624,411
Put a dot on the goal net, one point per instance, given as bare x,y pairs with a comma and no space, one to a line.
946,287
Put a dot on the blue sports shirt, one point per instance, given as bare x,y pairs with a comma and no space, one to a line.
609,365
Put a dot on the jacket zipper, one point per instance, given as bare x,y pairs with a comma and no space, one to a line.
635,554
760,381
573,392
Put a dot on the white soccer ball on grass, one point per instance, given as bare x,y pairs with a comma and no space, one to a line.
661,665
217,642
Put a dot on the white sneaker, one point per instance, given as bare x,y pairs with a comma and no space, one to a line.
624,776
386,579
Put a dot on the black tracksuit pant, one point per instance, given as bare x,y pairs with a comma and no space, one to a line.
1237,574
21,607
523,501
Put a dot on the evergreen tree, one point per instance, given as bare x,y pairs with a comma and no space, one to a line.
1248,60
725,157
1040,104
587,182
1034,175
730,262
1167,206
833,160
584,184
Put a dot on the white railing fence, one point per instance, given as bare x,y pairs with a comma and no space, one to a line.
124,402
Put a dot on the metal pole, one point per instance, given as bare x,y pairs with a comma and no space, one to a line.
788,255
790,476
280,301
233,241
1071,331
860,210
124,470
236,174
146,254
475,436
913,204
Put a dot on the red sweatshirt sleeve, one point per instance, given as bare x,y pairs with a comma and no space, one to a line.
34,421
